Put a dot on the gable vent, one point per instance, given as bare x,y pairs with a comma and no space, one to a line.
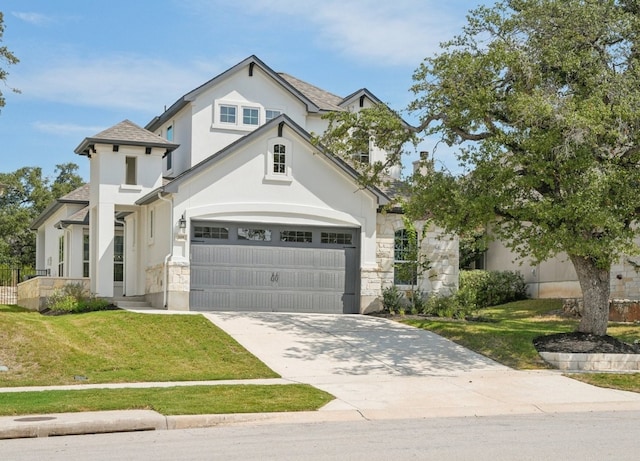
251,69
362,101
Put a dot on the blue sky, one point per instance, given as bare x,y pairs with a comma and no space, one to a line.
87,65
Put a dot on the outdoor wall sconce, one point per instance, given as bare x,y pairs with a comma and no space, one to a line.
182,223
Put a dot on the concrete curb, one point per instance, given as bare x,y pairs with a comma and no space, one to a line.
101,422
93,422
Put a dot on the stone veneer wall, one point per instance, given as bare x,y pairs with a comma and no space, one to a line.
33,293
178,282
440,249
625,278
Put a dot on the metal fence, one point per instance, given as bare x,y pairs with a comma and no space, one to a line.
9,279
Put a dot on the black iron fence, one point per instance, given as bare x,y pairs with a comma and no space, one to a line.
9,279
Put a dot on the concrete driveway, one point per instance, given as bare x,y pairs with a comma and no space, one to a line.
384,369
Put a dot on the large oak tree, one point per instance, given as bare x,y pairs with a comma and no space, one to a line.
26,193
7,58
543,98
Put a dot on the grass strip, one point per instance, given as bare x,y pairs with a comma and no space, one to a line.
188,400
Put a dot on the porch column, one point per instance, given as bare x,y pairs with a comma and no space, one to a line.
102,234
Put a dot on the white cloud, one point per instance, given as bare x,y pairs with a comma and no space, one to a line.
65,129
32,18
402,32
118,82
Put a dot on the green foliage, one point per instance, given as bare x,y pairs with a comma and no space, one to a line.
543,98
447,307
491,288
7,58
73,298
352,133
472,245
26,195
392,299
181,400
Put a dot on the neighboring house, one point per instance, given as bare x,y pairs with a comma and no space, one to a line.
223,203
556,277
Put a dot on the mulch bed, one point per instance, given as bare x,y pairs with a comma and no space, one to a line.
583,343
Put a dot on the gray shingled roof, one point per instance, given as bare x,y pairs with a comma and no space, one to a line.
81,194
79,217
321,98
126,133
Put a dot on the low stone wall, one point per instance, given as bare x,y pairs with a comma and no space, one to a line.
620,310
33,293
592,362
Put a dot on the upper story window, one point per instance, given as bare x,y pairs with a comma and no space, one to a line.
363,157
170,133
228,114
250,116
279,159
130,171
270,114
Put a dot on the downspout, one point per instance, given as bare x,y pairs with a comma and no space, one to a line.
170,254
124,255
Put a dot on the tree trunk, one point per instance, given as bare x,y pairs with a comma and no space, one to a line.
596,288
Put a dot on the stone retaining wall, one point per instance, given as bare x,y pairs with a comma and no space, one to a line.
620,310
33,293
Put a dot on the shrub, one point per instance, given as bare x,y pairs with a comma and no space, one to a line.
392,299
74,298
452,306
490,288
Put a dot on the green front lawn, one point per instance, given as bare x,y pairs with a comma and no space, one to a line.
505,333
118,346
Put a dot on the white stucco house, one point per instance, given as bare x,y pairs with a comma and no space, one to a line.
223,203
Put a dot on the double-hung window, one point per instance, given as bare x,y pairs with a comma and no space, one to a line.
404,257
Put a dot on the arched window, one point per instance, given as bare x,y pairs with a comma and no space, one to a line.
405,256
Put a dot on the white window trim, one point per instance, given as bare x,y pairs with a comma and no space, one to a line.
239,106
285,177
250,107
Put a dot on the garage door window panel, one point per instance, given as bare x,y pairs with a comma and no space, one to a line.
208,232
296,236
254,234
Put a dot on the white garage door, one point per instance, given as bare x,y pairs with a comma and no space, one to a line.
249,267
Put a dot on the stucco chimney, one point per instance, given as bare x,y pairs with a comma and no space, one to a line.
423,165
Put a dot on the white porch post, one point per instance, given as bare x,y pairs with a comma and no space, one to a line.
102,250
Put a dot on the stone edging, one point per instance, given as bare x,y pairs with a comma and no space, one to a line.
592,362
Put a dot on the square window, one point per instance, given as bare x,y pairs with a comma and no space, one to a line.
250,116
228,114
270,114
